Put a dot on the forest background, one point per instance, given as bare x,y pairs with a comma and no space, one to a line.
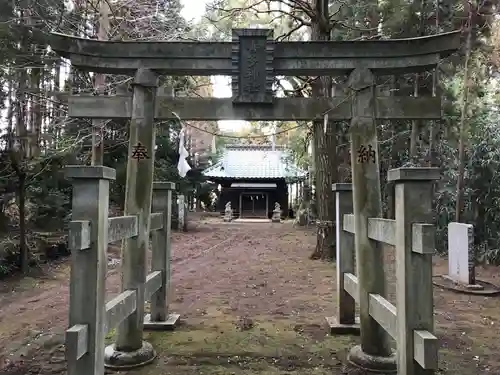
37,139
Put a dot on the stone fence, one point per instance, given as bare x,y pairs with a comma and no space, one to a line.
90,316
411,321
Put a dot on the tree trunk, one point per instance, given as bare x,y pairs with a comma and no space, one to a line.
56,109
99,86
464,121
433,131
311,201
419,8
434,125
19,153
325,151
35,115
23,248
414,127
326,162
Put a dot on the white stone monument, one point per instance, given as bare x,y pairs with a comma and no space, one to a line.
460,255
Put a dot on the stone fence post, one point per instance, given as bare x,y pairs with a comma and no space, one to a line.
345,321
414,297
90,206
159,317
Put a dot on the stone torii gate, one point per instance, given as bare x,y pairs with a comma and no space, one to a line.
253,59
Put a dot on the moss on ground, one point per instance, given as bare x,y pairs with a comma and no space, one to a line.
223,344
110,337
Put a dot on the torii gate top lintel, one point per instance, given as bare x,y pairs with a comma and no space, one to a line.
311,58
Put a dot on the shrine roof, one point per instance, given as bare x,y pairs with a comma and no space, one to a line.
254,161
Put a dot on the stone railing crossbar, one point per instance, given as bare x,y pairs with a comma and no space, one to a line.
153,283
384,230
351,285
119,308
119,228
122,227
156,221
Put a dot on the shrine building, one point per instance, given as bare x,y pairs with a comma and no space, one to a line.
253,178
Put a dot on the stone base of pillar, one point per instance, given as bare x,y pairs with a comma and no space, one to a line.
119,360
167,325
467,286
228,216
367,362
337,328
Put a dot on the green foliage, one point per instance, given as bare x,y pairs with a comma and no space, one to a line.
40,140
482,183
298,145
166,154
50,194
204,193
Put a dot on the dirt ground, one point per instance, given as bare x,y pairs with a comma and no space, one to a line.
251,302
